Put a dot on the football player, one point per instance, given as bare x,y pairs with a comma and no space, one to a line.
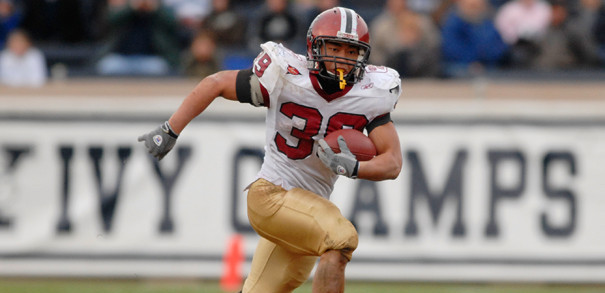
306,98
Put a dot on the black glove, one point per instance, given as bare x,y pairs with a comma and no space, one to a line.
159,141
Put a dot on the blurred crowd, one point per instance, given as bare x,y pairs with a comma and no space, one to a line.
419,38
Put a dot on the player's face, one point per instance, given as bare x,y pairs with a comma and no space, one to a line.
342,50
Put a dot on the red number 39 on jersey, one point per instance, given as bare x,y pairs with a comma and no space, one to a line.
312,122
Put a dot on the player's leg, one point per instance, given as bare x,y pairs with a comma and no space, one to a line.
274,269
305,223
330,273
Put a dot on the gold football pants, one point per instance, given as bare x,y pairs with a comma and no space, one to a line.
296,227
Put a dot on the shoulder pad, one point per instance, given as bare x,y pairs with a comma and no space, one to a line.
273,64
282,55
384,78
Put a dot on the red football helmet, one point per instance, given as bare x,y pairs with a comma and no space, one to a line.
338,25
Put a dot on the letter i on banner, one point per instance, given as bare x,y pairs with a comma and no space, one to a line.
231,281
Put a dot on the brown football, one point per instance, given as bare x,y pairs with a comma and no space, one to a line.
359,144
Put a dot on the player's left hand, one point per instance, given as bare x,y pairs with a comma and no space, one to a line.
160,140
343,163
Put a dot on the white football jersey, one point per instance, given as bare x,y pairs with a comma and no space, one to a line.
300,113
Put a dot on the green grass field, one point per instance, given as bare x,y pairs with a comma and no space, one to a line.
198,286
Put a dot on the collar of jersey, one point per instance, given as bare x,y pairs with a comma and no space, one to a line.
323,94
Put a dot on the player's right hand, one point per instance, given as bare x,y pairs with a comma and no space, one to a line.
343,163
159,141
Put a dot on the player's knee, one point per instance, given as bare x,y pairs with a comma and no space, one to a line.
351,244
337,257
351,236
343,238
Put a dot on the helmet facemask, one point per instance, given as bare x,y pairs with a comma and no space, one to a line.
320,56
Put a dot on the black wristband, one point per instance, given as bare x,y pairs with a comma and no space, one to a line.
166,128
354,173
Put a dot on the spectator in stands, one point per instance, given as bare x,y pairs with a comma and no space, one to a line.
276,23
383,28
406,41
144,39
228,25
21,64
580,26
523,19
441,11
522,24
189,14
470,41
201,59
10,18
555,49
419,52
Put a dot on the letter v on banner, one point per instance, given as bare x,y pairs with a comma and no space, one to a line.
108,200
168,181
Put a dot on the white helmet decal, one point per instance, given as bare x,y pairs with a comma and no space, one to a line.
348,24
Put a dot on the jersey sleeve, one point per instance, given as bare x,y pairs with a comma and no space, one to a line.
388,83
391,85
264,82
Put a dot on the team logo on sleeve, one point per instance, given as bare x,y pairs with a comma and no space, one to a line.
367,86
377,69
292,70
